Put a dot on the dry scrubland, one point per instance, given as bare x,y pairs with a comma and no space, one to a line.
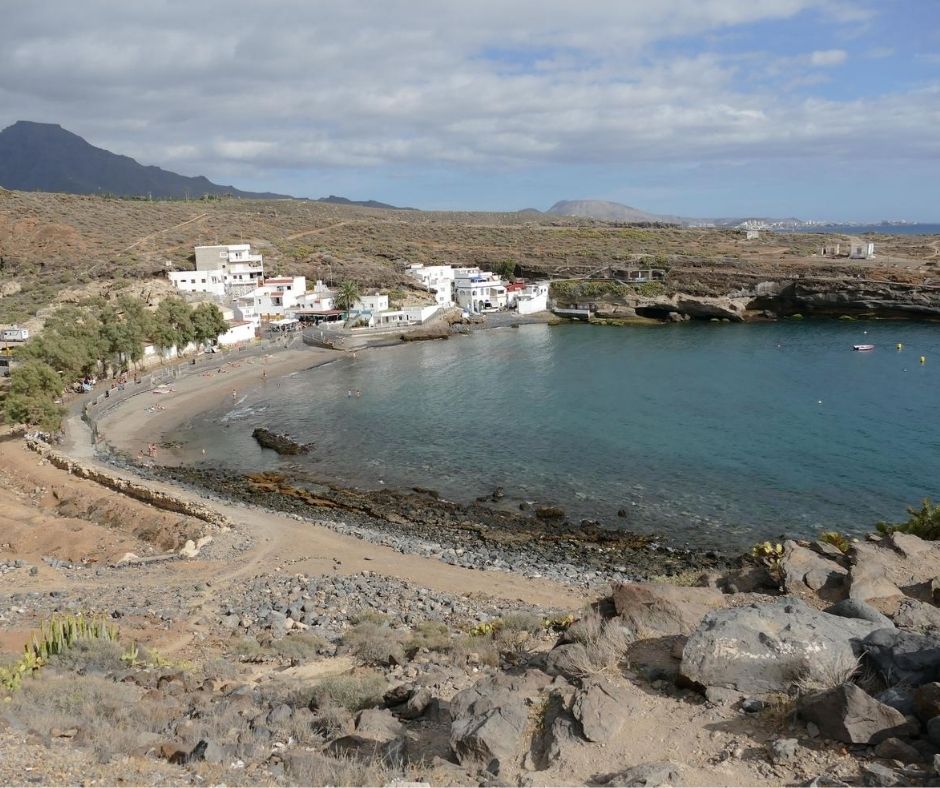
52,243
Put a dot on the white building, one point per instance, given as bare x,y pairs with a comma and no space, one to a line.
275,297
221,270
14,334
533,299
437,279
372,303
411,315
862,251
320,299
477,290
239,332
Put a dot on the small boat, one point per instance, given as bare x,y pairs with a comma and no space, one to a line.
863,347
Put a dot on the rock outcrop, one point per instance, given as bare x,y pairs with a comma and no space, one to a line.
762,648
282,444
658,609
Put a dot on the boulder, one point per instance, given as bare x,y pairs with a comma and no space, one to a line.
657,609
805,570
896,750
416,705
557,734
857,608
849,714
568,659
366,749
900,698
379,725
912,614
760,648
783,751
602,708
926,701
876,774
491,718
648,774
933,731
868,578
881,570
903,657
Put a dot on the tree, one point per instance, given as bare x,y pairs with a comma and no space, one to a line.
505,268
347,295
208,323
173,323
34,385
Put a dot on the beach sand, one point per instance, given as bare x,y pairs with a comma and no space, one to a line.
148,417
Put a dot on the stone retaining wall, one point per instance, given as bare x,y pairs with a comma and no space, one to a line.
140,492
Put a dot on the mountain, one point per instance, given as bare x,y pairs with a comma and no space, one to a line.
608,212
46,157
362,203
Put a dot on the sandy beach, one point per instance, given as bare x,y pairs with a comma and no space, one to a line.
148,417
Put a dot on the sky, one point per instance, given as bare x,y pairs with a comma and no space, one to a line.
820,109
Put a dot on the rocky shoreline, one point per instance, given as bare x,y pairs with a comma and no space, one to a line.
475,535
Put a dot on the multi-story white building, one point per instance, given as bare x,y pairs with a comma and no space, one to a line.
274,297
437,279
222,270
372,303
477,290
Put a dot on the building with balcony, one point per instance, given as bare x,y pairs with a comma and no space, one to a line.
223,270
437,279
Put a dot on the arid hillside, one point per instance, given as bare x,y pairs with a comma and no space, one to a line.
50,243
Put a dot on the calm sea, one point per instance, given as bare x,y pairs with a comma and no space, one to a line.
862,229
713,434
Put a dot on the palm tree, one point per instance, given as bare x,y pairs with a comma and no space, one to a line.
347,295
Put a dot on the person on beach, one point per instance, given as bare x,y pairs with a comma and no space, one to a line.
234,395
348,393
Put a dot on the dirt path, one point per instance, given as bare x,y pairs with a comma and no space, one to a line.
279,542
164,230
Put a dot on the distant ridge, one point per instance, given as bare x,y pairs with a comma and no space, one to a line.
46,157
608,212
362,203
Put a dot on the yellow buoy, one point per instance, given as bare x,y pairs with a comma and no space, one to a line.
900,346
923,359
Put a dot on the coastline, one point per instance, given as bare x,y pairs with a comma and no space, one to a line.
472,536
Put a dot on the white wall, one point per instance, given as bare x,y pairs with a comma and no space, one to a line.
237,334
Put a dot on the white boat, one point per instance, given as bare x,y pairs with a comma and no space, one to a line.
863,347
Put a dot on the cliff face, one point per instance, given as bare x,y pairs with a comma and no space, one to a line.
739,300
848,297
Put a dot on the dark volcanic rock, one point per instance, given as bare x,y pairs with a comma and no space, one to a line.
903,657
282,444
849,714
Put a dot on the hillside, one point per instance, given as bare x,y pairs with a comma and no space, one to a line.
53,244
608,212
46,157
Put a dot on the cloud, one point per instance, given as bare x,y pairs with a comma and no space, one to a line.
229,86
828,57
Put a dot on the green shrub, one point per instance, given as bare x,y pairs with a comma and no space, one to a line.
923,522
836,539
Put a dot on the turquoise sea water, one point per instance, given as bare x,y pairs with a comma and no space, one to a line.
711,434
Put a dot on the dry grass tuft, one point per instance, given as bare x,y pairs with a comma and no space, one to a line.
605,643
